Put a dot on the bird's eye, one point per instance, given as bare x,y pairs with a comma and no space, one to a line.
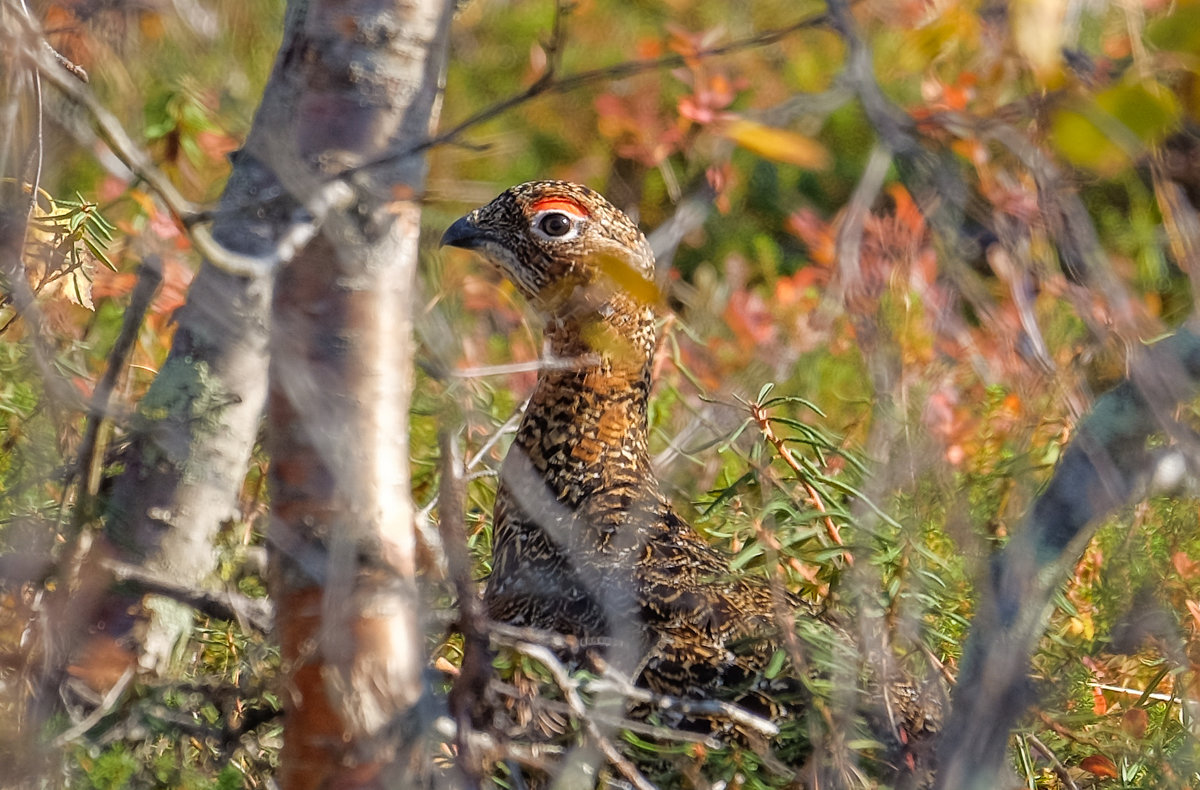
555,224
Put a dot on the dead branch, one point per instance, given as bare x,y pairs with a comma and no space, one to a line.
90,459
570,689
467,694
1105,466
251,613
546,86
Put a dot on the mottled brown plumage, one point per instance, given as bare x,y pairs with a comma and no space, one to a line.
583,541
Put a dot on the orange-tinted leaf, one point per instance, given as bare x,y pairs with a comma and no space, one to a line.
779,145
102,663
749,318
1084,627
1099,765
1134,721
1185,566
112,285
816,233
1194,608
908,213
143,199
1099,703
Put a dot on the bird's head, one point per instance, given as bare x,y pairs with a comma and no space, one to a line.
564,246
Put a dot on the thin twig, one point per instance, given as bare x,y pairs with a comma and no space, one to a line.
38,144
639,727
1059,769
509,425
570,689
99,712
317,205
706,708
512,636
110,129
248,612
848,243
466,696
90,459
543,86
763,420
1066,732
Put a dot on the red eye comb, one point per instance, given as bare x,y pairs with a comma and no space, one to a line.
559,204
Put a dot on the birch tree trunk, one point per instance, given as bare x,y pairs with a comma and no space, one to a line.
353,81
341,373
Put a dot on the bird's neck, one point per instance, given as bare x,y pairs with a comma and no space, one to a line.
585,426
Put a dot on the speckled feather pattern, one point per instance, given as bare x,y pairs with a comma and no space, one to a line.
583,541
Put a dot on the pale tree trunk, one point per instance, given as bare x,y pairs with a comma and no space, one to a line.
352,81
341,374
196,426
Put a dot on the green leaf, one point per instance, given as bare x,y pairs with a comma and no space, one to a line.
1084,145
744,556
1178,32
1106,135
99,253
1145,108
776,664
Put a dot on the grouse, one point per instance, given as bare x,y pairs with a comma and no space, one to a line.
583,541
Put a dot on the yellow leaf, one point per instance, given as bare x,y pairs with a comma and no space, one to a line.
1082,626
143,199
626,277
779,145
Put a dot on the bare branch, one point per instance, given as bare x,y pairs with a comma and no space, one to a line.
1060,770
467,694
570,689
700,708
99,712
31,44
90,463
256,613
546,85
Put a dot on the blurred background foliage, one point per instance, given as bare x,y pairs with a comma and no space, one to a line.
871,446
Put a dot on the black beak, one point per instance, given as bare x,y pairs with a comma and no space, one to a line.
463,233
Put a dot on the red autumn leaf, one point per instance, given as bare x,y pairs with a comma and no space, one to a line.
908,214
1099,703
216,145
1099,765
112,285
749,318
816,233
789,291
173,292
